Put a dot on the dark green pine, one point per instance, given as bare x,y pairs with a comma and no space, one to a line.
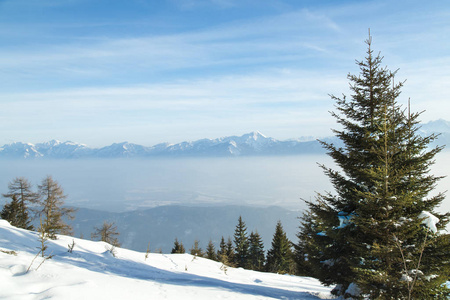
241,244
16,214
178,247
280,256
256,256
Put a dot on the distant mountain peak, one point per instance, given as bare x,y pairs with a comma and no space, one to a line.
436,126
52,142
252,143
255,136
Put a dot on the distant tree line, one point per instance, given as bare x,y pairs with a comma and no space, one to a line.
247,251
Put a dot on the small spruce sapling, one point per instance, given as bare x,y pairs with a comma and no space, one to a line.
43,240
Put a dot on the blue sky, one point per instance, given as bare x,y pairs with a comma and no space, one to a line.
98,72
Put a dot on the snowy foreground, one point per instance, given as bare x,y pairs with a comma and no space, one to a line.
92,272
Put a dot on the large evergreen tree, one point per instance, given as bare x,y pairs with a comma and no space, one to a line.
280,257
22,196
241,244
53,210
371,235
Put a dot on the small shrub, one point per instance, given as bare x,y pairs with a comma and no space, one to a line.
71,246
11,252
147,252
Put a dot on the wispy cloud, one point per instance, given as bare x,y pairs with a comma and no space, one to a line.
270,72
264,41
230,104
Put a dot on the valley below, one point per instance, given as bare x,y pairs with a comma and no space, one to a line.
157,200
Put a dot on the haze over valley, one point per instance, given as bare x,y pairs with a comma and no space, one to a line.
129,184
257,173
210,194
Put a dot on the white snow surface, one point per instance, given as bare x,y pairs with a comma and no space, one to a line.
92,272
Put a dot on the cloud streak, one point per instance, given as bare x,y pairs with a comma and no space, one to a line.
270,71
264,42
241,103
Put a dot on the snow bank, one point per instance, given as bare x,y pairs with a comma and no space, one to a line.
91,271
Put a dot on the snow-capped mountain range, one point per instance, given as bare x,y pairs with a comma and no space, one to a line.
249,144
253,143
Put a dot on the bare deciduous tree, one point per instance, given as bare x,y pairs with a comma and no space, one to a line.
107,233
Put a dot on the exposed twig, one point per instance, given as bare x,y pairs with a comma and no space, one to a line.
412,283
45,258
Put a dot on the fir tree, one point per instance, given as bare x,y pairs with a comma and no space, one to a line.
20,189
303,263
222,249
229,253
230,248
196,250
280,257
256,257
241,244
211,251
52,201
370,233
16,214
178,247
222,253
107,233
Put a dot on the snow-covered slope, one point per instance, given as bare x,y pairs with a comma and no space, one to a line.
57,149
19,150
124,149
92,272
